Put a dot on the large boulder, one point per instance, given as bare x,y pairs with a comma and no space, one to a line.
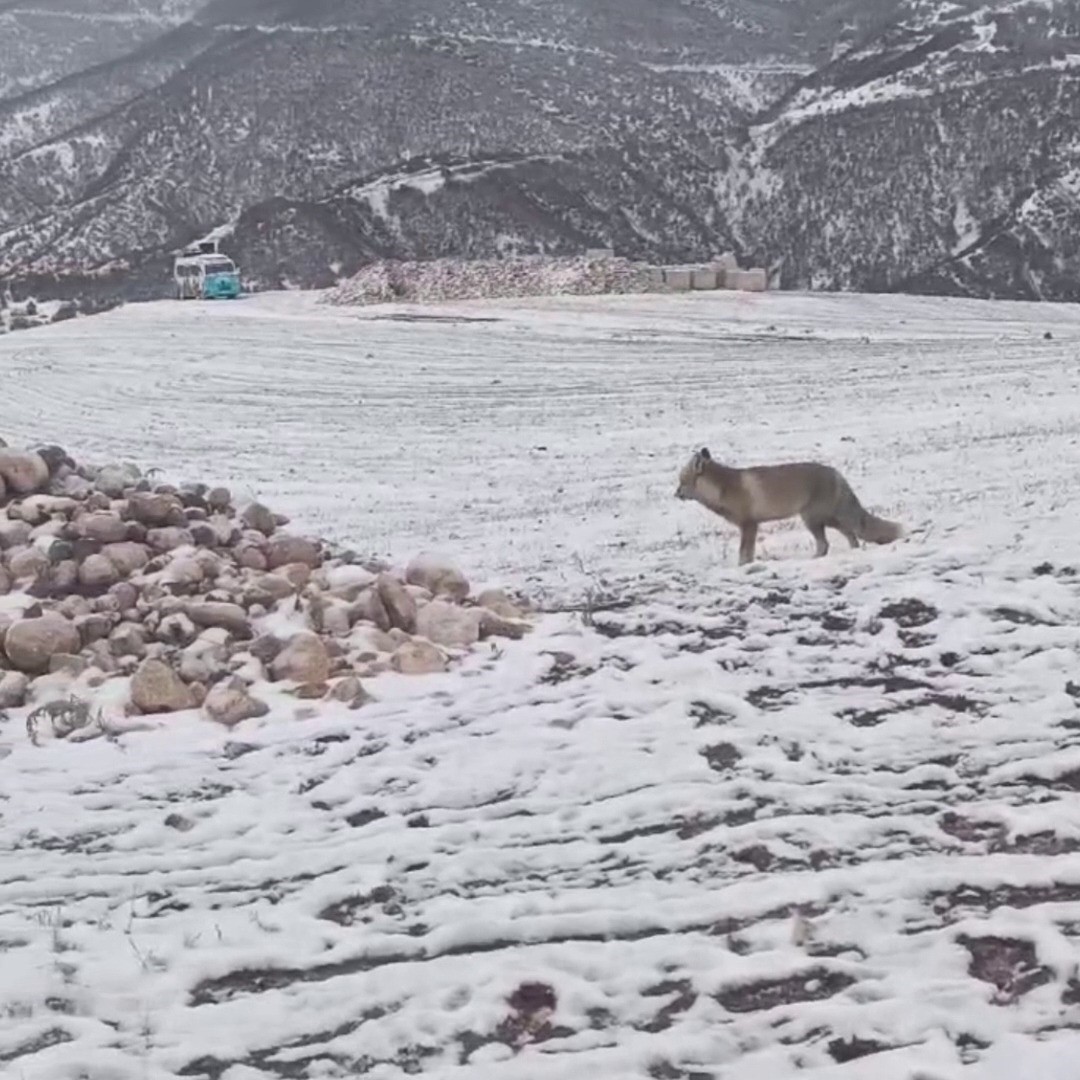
447,624
303,660
438,575
31,643
156,688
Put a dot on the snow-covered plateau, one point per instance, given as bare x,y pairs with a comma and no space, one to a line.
804,818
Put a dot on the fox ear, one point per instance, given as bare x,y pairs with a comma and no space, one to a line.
704,454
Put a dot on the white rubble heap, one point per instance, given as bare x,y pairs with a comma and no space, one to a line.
121,597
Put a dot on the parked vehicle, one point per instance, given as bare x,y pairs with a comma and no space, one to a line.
203,273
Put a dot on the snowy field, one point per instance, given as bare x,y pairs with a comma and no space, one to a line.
807,818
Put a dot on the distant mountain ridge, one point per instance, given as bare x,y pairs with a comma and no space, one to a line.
875,146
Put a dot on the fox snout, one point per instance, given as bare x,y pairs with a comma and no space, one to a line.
681,493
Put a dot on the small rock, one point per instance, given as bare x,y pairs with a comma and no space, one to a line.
311,691
103,527
418,658
156,688
265,647
230,703
127,556
204,663
450,625
400,606
168,538
93,627
496,600
176,629
5,582
350,691
155,510
14,534
98,572
258,517
183,574
230,617
23,473
30,643
283,549
438,575
369,607
14,687
272,586
250,556
25,564
113,480
67,664
219,499
128,639
303,660
125,594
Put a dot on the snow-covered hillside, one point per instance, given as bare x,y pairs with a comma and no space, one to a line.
810,817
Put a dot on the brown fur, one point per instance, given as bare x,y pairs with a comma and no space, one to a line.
816,493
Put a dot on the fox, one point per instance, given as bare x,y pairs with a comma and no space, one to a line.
817,493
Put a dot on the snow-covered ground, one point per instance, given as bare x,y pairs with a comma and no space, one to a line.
813,817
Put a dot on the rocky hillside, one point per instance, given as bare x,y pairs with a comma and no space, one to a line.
882,145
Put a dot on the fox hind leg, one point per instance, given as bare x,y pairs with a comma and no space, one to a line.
817,530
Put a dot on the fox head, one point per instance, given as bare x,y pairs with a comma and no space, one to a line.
688,478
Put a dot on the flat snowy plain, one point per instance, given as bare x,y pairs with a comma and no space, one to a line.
807,818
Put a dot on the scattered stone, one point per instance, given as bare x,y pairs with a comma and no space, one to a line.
303,660
67,664
266,647
126,556
230,703
219,498
30,643
497,601
156,688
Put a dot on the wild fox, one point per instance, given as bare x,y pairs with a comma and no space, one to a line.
747,497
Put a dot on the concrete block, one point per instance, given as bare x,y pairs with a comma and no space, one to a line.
678,278
756,280
703,278
656,277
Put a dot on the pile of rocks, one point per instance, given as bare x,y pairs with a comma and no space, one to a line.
194,603
456,279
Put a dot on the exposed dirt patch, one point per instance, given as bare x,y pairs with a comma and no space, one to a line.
721,756
814,985
1006,963
909,613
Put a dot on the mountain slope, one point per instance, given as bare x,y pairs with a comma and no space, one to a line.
884,145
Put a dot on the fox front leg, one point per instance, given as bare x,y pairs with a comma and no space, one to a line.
747,543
